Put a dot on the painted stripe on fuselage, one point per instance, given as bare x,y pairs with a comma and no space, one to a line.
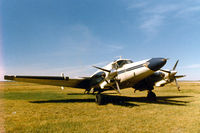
131,68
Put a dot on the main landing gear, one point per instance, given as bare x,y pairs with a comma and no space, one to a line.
100,99
151,96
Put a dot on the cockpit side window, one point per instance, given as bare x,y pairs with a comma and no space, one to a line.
121,63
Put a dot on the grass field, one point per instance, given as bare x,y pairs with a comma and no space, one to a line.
41,108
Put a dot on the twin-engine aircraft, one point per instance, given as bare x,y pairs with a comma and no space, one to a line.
117,75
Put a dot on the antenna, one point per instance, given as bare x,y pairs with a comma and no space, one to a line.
118,57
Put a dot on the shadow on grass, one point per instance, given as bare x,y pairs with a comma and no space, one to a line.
65,101
166,100
87,94
123,100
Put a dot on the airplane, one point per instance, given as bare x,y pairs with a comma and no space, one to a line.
119,74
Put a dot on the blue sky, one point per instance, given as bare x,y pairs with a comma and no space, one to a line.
47,37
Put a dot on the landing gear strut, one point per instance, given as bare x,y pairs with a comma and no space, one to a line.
151,96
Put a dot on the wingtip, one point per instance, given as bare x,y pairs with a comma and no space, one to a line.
7,77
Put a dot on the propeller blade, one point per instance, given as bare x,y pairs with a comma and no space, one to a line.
118,88
175,65
102,69
179,76
177,84
167,71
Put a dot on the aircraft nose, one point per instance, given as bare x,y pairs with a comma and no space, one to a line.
156,63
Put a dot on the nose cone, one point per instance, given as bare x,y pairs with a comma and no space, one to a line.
156,63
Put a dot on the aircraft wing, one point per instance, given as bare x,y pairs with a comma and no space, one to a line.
52,80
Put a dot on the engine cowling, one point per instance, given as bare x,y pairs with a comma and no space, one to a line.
97,79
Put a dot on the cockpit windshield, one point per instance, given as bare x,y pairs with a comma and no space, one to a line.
121,63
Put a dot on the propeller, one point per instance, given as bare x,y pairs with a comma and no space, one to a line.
177,85
172,75
112,74
102,69
118,88
175,65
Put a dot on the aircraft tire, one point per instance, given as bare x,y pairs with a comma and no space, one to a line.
151,96
100,99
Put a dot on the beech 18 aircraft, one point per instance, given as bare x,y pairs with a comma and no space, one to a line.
117,75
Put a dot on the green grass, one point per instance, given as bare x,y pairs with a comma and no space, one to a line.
41,108
31,95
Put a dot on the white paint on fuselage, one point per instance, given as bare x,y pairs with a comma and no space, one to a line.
127,75
130,77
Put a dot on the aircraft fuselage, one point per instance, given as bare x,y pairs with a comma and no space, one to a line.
133,72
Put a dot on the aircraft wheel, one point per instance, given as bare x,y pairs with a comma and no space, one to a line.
151,96
100,99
